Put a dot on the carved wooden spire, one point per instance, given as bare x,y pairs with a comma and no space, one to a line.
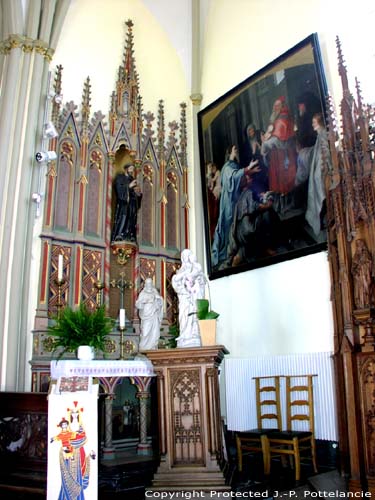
56,102
86,105
363,126
125,104
161,132
183,136
347,104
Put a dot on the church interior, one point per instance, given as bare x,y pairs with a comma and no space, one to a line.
104,149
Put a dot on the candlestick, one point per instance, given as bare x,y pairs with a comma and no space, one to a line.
59,304
99,285
60,268
122,343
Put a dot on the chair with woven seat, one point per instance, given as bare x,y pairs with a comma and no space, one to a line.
267,391
299,408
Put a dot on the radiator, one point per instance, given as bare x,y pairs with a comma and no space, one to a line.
240,401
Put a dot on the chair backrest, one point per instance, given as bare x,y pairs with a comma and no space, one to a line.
267,391
299,401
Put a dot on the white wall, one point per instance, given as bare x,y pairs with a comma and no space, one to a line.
280,309
283,308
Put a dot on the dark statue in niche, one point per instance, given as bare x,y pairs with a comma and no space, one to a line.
128,203
361,271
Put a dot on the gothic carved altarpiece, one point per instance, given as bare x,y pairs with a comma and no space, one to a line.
80,202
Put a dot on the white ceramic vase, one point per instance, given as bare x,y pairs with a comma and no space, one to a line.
85,353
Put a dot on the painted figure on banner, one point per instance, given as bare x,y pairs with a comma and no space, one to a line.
213,195
129,198
362,275
279,148
74,463
150,306
188,283
231,177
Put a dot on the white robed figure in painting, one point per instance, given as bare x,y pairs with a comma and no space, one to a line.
150,307
188,283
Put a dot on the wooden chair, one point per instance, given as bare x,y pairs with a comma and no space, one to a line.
292,442
267,391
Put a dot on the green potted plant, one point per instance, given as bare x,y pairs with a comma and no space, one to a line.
74,328
207,322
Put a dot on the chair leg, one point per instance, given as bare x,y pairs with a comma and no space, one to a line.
266,454
313,454
239,453
297,458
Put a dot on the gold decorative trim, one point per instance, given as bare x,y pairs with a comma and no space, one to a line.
27,45
196,99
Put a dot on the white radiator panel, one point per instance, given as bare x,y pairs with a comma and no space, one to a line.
240,389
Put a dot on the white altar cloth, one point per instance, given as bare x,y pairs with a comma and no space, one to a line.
102,368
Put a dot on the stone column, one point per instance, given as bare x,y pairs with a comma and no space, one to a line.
143,394
29,39
108,385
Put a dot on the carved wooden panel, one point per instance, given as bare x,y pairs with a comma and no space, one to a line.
147,230
367,394
94,193
147,269
171,296
187,417
66,252
90,272
65,186
172,213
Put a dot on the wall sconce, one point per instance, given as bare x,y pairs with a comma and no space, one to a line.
49,131
45,156
37,198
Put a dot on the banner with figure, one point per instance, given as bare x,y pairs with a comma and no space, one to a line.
72,440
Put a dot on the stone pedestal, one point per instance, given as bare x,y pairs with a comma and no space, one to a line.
190,430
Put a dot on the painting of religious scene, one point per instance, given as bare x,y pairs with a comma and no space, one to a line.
264,153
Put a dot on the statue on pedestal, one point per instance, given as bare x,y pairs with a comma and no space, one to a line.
128,202
150,307
189,284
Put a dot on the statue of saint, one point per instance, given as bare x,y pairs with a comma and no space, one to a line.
361,271
150,307
129,198
188,283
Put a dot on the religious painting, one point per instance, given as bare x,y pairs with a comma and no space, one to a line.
263,151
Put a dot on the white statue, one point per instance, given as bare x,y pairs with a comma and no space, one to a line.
150,307
189,284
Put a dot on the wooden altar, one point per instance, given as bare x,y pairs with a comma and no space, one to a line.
190,431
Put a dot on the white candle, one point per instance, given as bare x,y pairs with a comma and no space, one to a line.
98,275
60,268
122,318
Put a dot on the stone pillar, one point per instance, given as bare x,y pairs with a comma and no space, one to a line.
143,394
108,385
